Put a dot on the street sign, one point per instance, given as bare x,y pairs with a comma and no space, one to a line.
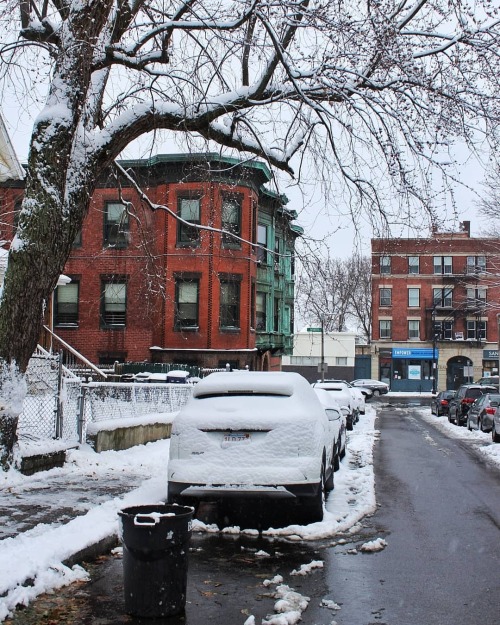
314,329
323,367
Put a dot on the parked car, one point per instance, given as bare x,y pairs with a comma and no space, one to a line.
491,380
465,396
495,426
253,434
480,415
377,387
358,395
440,403
338,424
342,395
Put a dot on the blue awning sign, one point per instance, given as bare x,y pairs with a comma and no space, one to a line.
415,353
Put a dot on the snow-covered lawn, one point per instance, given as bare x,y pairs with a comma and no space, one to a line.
38,554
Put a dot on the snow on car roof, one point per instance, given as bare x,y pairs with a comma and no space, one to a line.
325,398
256,382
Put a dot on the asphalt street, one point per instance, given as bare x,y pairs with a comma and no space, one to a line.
438,510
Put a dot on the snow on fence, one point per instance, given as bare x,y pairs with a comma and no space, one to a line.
56,408
107,400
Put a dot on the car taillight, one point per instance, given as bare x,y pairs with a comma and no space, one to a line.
444,402
468,400
490,410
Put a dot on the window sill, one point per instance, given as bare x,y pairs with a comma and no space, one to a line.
67,326
230,330
114,327
187,329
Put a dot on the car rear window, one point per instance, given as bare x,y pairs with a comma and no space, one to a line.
474,392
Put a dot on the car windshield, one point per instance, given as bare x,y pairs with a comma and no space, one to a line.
474,392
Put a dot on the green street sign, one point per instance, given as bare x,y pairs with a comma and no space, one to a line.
314,329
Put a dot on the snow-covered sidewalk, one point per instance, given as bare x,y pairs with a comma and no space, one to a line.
38,554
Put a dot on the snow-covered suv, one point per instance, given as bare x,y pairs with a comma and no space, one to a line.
341,393
253,434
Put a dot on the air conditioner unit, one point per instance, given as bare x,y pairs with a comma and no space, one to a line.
459,336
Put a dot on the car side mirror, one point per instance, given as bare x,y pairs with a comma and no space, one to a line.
333,415
345,410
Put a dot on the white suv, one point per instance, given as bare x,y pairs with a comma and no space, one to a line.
253,434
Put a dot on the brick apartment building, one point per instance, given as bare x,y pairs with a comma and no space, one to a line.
435,305
148,287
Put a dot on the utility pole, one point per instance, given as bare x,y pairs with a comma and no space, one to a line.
434,363
322,349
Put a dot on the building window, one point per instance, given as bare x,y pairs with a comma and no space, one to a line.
413,297
443,265
413,329
114,303
261,318
476,330
385,297
385,264
443,330
231,221
341,361
476,297
413,264
186,304
229,314
277,255
443,298
262,244
276,324
476,264
385,328
116,225
66,305
188,209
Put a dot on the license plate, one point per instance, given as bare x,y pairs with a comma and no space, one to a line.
236,438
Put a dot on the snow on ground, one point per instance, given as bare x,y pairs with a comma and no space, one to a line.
480,440
38,554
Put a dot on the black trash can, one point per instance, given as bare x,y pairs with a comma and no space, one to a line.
155,542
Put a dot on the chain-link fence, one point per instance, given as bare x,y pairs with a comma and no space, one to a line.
60,407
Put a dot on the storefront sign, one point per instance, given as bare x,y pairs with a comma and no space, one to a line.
490,354
416,353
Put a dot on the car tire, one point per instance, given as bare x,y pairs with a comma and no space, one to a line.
349,425
468,425
479,425
336,461
330,481
495,437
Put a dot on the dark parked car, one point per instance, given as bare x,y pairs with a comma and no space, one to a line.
480,415
495,428
465,396
491,380
378,388
440,403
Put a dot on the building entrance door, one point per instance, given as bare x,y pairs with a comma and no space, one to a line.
455,375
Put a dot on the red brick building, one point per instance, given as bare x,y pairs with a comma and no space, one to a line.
435,305
148,286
